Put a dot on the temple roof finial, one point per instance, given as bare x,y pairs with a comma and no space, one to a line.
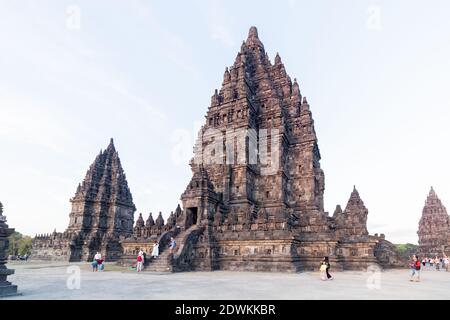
432,193
243,46
295,88
111,145
226,75
305,101
253,32
355,193
278,59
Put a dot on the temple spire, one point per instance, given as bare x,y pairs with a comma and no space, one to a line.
434,226
150,222
226,76
432,192
253,33
296,89
111,145
160,220
140,221
278,59
352,222
355,195
106,186
253,39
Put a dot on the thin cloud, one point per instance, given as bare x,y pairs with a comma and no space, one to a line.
173,47
220,23
27,121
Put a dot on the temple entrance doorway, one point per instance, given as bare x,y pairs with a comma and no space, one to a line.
191,216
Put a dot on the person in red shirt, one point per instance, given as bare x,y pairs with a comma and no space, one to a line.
140,261
415,268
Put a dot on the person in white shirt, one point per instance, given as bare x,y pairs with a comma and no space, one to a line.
446,263
98,256
155,251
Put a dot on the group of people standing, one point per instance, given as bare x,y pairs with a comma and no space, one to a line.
98,263
429,263
438,263
140,260
416,265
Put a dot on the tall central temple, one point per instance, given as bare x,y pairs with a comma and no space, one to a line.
255,200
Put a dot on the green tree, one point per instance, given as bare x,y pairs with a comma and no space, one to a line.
25,245
19,244
407,249
14,240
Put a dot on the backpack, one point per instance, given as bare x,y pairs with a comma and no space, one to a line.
139,258
417,265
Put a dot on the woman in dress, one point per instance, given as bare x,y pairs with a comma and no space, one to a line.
323,270
155,251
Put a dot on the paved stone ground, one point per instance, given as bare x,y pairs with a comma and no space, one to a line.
48,281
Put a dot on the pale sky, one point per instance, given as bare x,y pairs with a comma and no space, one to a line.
75,73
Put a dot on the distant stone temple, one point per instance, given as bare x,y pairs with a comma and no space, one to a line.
434,228
102,215
256,198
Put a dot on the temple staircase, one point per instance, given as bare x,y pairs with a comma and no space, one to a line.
165,261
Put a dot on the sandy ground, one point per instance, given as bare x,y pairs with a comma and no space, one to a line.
37,280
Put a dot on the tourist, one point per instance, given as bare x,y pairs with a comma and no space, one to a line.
415,268
94,265
101,264
140,261
436,262
173,245
446,263
323,270
97,261
155,251
98,256
327,262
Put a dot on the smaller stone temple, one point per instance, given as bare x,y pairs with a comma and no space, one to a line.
6,287
102,215
434,228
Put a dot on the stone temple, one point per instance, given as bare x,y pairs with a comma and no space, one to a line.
102,215
434,228
256,198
